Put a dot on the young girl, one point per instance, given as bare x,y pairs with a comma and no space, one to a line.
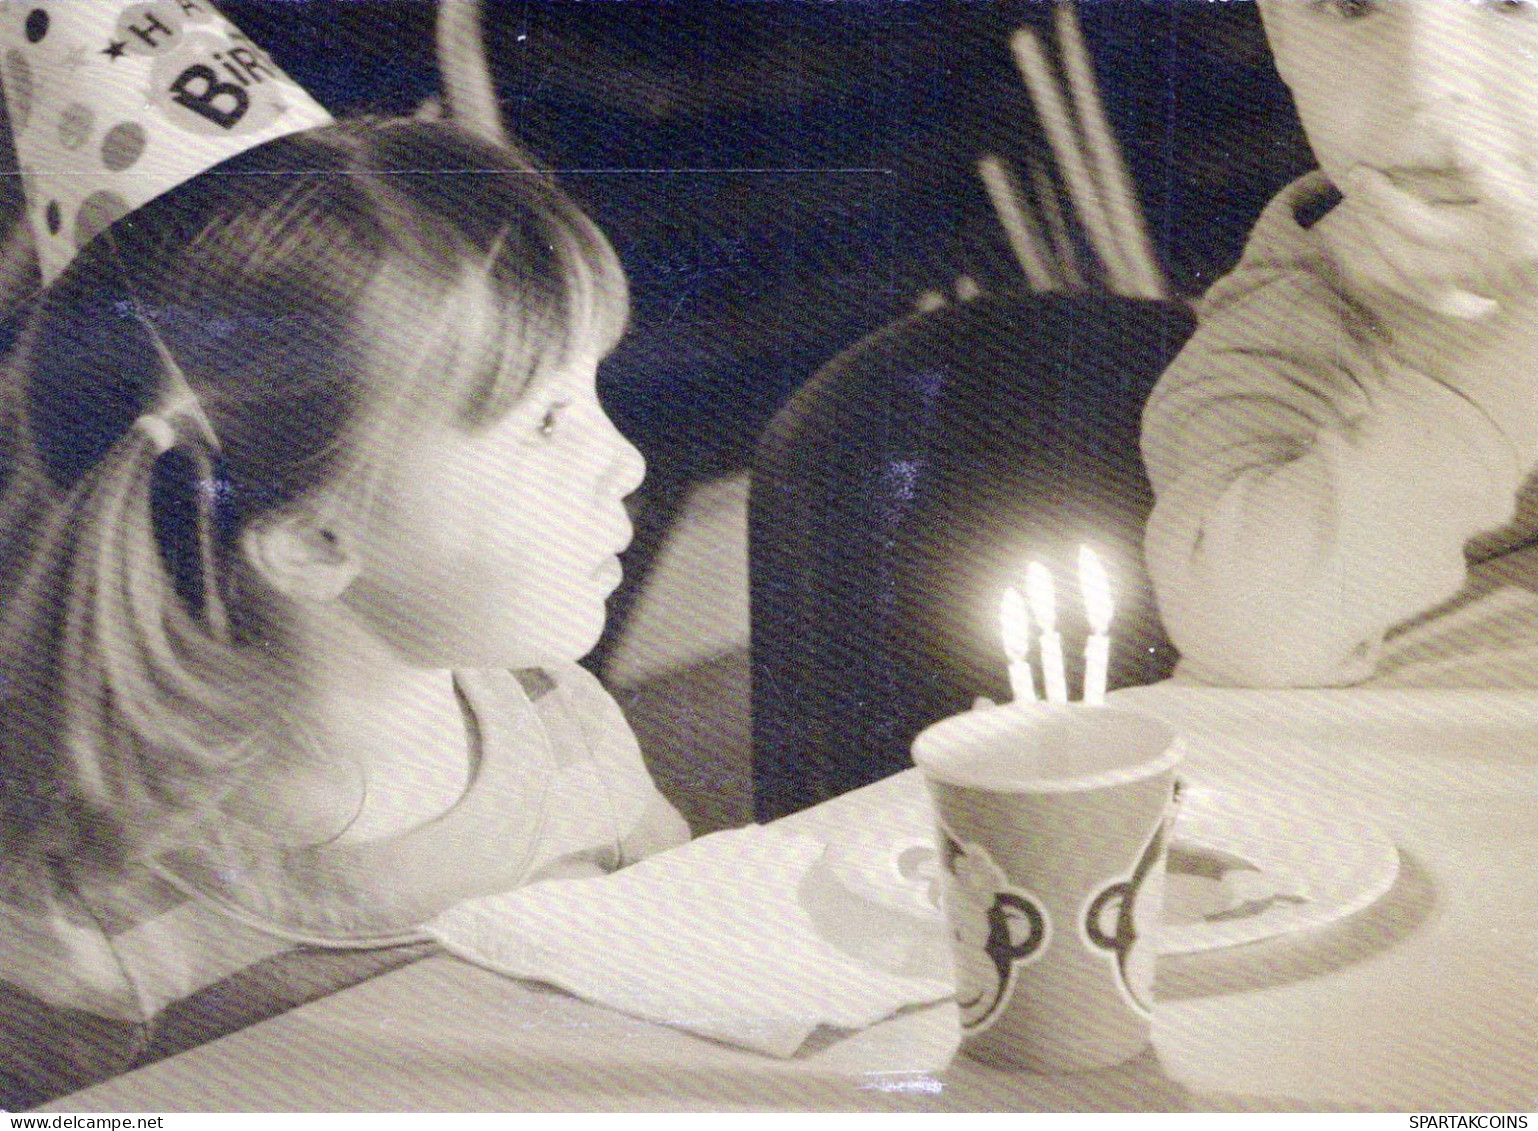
309,508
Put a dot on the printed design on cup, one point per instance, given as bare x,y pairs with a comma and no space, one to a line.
997,928
1118,919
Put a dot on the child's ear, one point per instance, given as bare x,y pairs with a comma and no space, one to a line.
301,557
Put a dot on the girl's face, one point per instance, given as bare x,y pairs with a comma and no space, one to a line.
497,546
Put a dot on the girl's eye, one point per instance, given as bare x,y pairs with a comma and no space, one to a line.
1514,7
1349,9
551,420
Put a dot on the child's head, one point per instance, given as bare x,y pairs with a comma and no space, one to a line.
1440,95
361,361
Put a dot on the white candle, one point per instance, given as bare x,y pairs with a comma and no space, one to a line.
1105,159
1038,588
1051,203
1015,627
1056,122
1024,237
1095,586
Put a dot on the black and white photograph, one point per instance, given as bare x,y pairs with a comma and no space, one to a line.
761,556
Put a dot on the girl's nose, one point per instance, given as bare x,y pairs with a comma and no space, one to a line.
629,465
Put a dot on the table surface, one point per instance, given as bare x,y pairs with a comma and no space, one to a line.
1427,1000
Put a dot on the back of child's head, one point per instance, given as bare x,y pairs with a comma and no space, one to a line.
270,325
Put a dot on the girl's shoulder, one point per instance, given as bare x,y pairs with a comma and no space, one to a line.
601,800
581,720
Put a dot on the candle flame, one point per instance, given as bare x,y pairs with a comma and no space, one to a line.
1015,625
1095,584
1038,587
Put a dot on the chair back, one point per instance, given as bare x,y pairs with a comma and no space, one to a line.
900,491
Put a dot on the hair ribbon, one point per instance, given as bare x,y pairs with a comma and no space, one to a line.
177,402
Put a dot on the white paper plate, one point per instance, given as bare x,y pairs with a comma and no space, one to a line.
1242,871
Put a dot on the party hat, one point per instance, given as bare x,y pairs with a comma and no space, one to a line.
113,102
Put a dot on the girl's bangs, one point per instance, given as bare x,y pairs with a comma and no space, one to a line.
519,328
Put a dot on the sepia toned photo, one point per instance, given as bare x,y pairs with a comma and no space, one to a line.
769,556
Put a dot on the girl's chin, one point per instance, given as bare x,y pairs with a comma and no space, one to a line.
563,640
567,650
518,658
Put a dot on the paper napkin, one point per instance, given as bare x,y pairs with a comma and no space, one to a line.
714,937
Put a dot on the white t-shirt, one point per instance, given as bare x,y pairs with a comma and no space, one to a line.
558,785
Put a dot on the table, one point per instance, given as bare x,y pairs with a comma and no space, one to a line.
1426,1001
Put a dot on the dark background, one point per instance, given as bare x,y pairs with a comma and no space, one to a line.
781,177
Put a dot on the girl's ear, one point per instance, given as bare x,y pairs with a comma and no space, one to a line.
300,557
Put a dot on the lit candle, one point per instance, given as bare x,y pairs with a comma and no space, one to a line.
1015,626
1095,585
1038,587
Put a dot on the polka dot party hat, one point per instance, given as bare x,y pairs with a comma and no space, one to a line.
114,102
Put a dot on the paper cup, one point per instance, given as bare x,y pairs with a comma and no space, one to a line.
1053,824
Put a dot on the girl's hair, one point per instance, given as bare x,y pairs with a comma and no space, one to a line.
312,295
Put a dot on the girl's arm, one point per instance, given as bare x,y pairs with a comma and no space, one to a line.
1312,491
